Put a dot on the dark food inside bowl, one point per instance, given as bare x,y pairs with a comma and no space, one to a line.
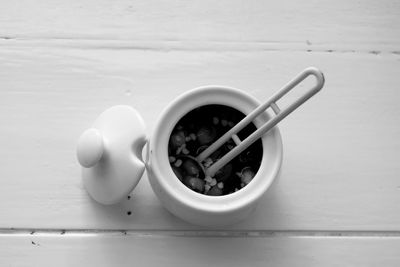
194,133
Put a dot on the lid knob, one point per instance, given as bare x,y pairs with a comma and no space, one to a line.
90,148
110,154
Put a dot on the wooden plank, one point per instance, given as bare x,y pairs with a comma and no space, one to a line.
160,250
341,150
305,25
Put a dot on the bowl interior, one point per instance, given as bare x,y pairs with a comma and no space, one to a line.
198,129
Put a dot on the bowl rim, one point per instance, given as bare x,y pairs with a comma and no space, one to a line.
158,150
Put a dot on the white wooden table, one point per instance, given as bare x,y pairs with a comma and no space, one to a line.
337,199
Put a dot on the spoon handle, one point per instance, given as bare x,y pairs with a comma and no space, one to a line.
280,115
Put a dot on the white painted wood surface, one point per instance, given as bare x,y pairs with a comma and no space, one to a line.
62,63
176,250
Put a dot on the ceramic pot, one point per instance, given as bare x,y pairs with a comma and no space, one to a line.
199,208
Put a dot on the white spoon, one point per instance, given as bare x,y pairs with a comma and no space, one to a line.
280,115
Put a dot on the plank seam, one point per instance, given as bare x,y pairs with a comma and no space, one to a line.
201,46
204,233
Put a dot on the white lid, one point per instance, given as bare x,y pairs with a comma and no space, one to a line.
111,154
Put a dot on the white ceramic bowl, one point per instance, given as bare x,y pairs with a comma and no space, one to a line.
202,209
